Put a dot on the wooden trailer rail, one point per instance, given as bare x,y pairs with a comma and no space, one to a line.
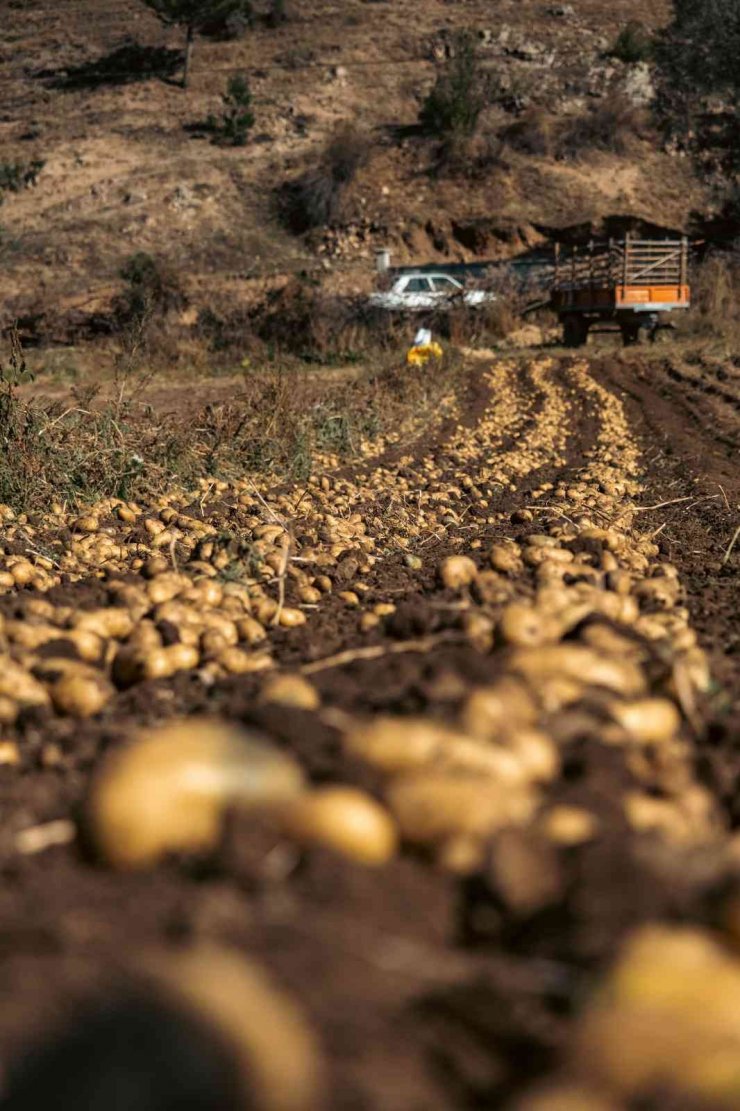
630,282
633,274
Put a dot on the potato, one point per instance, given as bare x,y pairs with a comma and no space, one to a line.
235,661
576,662
161,663
489,711
168,790
506,558
457,571
395,744
525,626
9,754
666,1019
80,694
343,819
105,623
648,720
250,630
535,752
274,1046
291,690
430,805
18,684
290,618
569,825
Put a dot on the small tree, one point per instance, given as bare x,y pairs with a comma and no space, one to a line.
197,15
237,116
459,95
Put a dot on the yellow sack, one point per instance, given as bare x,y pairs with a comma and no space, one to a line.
422,353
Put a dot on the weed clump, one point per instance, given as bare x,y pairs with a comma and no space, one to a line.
532,134
16,176
118,446
715,295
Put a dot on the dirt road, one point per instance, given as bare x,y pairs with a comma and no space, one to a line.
516,631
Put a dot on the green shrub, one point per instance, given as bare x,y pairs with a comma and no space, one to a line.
459,94
237,117
634,43
15,176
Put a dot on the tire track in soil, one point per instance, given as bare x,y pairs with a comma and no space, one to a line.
466,995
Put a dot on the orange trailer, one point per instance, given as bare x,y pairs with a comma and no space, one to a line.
631,282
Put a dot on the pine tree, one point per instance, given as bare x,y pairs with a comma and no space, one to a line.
196,15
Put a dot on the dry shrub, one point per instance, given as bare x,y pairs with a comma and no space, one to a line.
610,126
302,319
471,156
531,134
316,198
715,296
78,452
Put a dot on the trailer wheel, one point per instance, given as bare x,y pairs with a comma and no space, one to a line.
630,330
575,330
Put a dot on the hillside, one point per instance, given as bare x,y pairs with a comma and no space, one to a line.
126,169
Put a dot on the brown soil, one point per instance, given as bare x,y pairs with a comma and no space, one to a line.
427,991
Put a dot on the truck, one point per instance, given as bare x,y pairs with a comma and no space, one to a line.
630,283
421,291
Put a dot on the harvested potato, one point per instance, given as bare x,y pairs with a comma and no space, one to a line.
168,790
278,1055
431,806
81,694
458,571
343,819
526,626
667,1020
649,720
489,711
291,690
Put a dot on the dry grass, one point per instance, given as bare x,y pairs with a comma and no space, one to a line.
715,317
86,447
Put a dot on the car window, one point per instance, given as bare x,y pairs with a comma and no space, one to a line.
417,285
444,285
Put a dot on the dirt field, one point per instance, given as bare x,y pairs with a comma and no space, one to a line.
549,732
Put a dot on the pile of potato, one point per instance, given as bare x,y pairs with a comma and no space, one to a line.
587,631
578,604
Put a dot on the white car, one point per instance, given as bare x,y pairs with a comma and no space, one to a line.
415,292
